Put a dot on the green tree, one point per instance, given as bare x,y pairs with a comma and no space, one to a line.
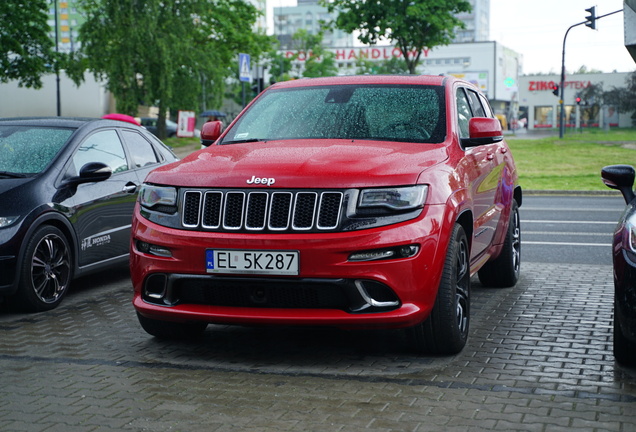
622,98
392,66
411,25
318,61
279,65
165,52
26,49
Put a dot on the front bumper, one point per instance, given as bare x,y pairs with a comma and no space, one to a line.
329,290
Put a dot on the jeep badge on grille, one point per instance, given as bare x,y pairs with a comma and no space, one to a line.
262,180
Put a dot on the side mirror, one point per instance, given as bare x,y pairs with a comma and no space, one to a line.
483,130
620,177
210,132
92,172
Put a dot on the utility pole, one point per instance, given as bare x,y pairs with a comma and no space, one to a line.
57,67
590,21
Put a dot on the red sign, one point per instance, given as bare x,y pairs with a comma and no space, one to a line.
375,53
549,85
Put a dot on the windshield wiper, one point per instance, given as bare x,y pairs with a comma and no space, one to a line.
11,175
241,141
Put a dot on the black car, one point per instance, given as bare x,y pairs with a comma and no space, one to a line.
67,192
621,177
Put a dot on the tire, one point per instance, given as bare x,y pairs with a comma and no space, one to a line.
46,271
624,349
504,271
446,329
170,329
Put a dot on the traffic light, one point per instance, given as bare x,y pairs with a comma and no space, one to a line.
578,100
591,18
555,90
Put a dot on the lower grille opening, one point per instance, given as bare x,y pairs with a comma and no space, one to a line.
352,296
271,294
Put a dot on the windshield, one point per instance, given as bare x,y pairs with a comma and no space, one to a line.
28,149
370,112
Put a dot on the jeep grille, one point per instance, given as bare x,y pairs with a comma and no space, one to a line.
265,211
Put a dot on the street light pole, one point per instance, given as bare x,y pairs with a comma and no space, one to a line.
590,22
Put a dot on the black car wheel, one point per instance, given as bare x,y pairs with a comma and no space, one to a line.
504,271
446,329
46,271
624,348
170,329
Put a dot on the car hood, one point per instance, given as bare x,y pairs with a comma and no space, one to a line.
303,164
10,184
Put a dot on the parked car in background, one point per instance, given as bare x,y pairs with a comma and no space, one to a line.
621,177
67,188
357,202
150,123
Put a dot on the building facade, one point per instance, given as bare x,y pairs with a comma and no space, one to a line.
67,24
308,16
476,22
541,109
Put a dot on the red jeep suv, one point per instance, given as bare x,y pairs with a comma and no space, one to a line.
357,202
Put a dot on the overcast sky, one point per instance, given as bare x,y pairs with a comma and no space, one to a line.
535,29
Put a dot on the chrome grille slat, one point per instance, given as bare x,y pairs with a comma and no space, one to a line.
191,209
259,210
212,209
304,210
233,212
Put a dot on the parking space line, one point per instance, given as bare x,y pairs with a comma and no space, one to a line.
568,222
525,242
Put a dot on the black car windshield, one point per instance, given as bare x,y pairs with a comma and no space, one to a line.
368,112
28,149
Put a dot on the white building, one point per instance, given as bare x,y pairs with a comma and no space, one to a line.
91,99
541,107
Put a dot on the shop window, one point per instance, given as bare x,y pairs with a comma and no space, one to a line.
543,116
570,116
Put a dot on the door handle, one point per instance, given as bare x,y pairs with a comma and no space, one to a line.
129,188
490,156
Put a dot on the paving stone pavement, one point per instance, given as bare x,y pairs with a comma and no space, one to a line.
538,358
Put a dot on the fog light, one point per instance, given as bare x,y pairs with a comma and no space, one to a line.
408,251
152,249
385,254
371,255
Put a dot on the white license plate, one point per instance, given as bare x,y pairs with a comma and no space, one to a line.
252,262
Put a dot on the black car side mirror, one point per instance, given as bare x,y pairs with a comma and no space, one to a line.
92,172
620,177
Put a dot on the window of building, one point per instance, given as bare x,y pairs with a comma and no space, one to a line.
543,116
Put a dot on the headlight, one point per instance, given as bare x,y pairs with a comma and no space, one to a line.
395,198
5,221
158,197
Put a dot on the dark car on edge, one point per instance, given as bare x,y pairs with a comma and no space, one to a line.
621,177
67,192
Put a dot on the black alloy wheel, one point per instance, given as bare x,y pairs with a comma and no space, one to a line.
446,329
504,271
46,270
